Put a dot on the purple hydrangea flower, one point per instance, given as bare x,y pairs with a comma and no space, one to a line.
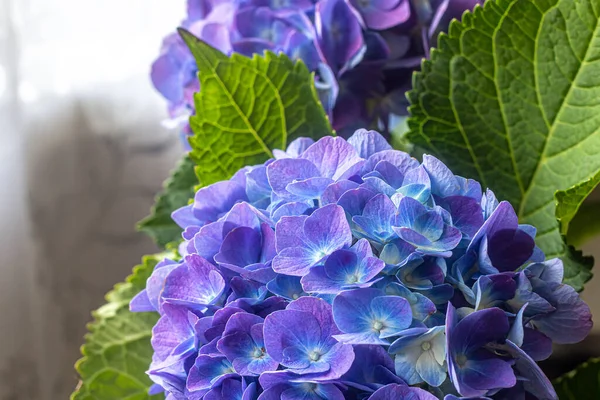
474,370
244,346
344,269
368,316
308,347
363,52
349,270
303,242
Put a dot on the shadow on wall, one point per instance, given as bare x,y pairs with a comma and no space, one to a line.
92,174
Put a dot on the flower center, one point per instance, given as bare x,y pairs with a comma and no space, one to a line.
426,346
314,355
295,296
352,278
377,326
258,353
319,254
461,360
309,387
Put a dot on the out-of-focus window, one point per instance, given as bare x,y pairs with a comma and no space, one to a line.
82,154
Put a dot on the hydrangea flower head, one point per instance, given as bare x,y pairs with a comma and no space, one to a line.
362,51
349,270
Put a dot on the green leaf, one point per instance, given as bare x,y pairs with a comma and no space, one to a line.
510,98
178,190
568,201
247,107
583,383
569,205
117,350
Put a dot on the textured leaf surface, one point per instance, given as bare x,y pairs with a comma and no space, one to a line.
247,107
582,383
511,98
178,190
117,349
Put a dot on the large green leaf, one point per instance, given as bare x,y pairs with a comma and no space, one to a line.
510,98
247,107
178,190
582,383
117,349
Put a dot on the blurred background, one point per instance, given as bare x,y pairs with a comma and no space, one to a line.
82,154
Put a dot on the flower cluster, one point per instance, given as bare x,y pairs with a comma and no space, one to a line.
362,51
349,270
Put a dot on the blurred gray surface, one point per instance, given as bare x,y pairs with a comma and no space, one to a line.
82,154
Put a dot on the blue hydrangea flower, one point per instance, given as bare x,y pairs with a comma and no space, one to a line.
363,52
474,370
344,269
421,357
243,344
368,316
349,270
554,308
301,338
303,242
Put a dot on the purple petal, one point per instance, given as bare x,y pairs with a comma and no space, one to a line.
288,232
334,191
241,247
196,283
466,213
384,14
321,310
354,201
141,303
211,202
479,328
401,160
295,261
184,217
368,143
282,330
339,34
328,229
310,188
285,171
208,371
334,157
484,374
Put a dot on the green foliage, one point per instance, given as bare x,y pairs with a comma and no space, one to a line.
568,201
177,192
117,349
247,107
578,221
510,98
583,383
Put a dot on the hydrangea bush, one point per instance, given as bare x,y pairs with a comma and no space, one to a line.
349,270
346,269
363,52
